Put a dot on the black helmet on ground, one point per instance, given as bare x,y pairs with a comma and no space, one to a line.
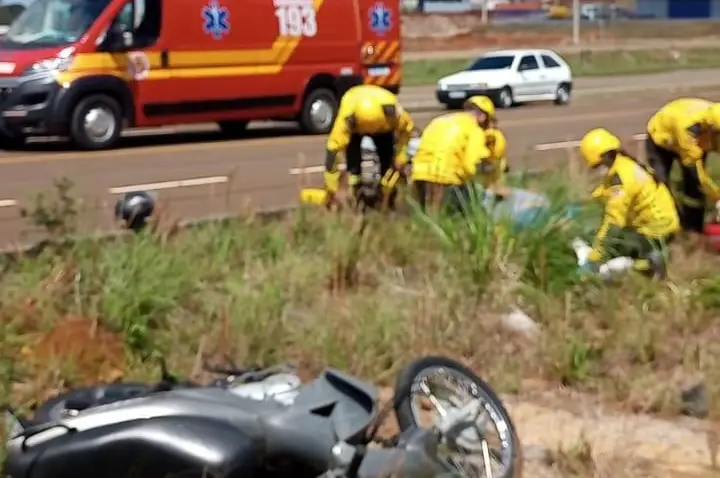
134,209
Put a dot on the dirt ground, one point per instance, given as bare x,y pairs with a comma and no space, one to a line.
77,351
566,434
459,32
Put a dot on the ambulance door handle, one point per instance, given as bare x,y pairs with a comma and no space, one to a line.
165,59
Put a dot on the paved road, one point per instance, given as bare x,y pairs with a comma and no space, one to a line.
198,173
424,96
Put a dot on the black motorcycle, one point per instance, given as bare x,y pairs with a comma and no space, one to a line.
271,425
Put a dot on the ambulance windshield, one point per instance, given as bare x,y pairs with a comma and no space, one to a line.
49,23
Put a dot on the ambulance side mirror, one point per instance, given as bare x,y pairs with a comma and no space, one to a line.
117,39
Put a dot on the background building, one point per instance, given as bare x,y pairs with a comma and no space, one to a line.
679,8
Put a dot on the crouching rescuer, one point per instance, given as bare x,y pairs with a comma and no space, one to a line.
640,215
493,170
368,110
447,158
684,130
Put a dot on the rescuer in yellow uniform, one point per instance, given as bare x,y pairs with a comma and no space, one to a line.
685,130
640,214
450,149
367,110
493,169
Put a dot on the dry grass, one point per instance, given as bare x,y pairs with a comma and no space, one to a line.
308,290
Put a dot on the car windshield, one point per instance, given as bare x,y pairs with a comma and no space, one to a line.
53,23
492,63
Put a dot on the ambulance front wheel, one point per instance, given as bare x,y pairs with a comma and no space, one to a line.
96,122
318,111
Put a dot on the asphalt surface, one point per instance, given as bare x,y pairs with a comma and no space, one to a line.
197,173
423,97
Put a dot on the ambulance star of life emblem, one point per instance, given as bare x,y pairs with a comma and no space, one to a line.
380,18
216,18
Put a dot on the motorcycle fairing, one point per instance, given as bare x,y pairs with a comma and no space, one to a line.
335,407
163,446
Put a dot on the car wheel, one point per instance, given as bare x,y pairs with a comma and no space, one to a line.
234,127
562,94
505,98
318,111
96,122
454,105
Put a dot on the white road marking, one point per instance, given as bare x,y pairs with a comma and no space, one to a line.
8,202
557,145
183,183
574,143
537,147
320,169
312,170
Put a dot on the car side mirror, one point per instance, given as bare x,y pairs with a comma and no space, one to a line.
117,39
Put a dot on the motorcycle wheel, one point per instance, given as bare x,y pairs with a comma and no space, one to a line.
459,386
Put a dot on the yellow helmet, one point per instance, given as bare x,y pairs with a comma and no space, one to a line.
370,114
712,116
596,143
483,103
496,142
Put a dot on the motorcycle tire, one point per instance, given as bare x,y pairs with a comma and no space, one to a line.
406,417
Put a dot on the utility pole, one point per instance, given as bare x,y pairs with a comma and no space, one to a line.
576,22
484,17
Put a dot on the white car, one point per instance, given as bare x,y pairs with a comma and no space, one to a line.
510,77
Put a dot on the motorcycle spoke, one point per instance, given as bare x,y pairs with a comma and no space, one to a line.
484,448
433,400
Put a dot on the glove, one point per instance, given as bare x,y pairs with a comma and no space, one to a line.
390,179
401,159
354,180
332,181
591,266
594,256
599,192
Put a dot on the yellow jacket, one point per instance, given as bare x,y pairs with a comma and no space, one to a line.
492,169
450,148
362,111
635,200
680,126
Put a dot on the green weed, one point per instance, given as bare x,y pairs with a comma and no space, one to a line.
370,294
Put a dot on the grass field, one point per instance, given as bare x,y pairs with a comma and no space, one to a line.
311,289
608,63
